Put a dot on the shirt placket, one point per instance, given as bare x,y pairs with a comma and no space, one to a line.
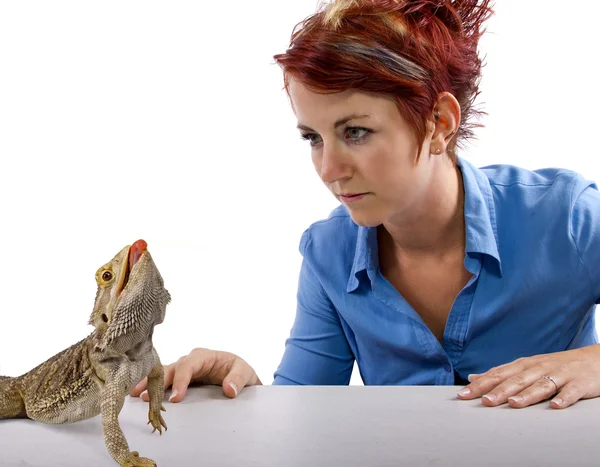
457,325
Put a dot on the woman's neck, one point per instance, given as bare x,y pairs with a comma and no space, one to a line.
436,226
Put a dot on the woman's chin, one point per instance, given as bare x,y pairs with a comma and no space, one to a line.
364,219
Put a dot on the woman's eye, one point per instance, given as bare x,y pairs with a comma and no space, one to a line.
356,133
312,138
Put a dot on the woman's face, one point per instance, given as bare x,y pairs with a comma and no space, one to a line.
365,153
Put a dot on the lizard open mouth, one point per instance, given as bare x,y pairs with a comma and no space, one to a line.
135,253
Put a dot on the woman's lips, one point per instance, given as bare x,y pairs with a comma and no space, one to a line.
350,198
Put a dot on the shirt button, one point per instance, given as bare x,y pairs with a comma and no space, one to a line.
447,367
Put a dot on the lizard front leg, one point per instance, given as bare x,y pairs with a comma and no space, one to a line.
156,392
113,398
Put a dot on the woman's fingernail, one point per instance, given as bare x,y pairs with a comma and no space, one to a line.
469,378
490,397
464,392
234,387
557,401
143,393
173,394
516,399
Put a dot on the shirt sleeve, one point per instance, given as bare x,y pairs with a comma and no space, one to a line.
317,351
585,229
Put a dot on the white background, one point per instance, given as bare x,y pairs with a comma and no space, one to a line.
167,121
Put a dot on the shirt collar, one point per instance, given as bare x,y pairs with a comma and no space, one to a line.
365,256
480,224
480,213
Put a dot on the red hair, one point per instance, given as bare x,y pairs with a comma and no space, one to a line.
409,49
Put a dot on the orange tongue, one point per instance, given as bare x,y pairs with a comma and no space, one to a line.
136,251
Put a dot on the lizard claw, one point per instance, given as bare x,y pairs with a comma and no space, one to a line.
157,421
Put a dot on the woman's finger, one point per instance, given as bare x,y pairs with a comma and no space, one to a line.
473,377
489,380
482,383
542,388
512,386
139,388
169,372
182,376
567,396
240,375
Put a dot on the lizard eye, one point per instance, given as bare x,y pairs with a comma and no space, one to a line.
106,276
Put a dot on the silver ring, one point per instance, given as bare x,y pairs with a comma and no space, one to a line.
549,378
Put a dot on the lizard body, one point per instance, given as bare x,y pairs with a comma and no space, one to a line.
93,376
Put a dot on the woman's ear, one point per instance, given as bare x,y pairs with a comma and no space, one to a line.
446,120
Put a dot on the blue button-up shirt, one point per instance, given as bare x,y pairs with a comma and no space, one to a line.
532,247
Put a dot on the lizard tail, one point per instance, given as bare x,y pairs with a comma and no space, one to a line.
11,402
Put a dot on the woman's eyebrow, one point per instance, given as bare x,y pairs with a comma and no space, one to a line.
338,123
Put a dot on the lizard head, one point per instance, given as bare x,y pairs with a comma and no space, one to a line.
131,297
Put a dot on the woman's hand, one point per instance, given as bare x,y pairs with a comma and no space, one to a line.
204,366
565,377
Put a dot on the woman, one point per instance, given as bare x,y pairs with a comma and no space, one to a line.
431,271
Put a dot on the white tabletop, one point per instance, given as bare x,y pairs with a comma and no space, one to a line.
323,426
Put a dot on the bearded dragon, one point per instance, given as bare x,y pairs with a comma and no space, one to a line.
95,375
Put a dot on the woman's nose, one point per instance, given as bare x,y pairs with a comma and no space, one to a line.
333,164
